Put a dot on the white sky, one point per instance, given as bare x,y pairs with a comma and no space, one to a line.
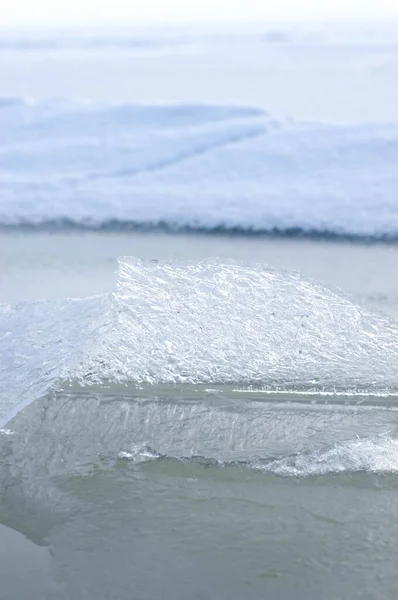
16,12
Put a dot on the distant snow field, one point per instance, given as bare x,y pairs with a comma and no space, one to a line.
285,128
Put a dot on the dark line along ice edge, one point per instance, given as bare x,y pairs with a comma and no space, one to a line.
116,226
186,358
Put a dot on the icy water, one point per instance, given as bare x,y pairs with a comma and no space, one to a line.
105,517
202,486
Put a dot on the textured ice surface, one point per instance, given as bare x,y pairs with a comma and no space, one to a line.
42,343
225,322
80,430
196,323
